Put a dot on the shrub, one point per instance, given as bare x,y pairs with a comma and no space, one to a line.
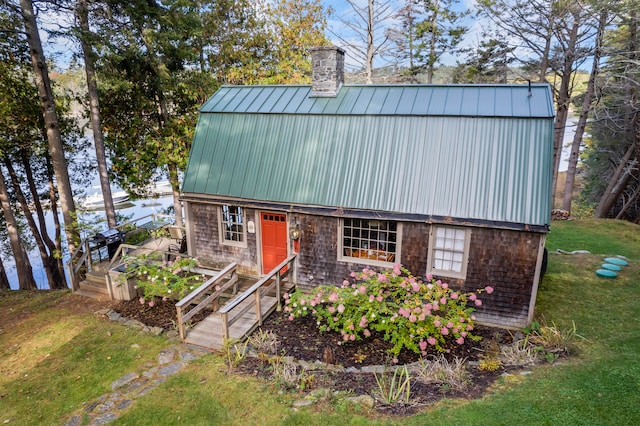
412,314
172,280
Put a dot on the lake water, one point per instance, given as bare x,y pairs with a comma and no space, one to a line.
130,210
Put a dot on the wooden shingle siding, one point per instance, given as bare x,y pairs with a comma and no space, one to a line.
208,247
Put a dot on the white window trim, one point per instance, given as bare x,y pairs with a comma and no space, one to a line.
225,242
465,257
364,261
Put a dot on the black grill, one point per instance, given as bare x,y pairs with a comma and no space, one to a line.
112,238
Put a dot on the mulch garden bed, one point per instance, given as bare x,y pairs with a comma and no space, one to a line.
301,340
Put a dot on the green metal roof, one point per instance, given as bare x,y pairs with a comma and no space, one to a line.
455,100
469,152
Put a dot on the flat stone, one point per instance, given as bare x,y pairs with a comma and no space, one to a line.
151,372
124,404
134,323
74,421
187,356
105,311
137,385
373,369
171,369
156,331
124,380
104,419
105,406
114,316
90,406
172,334
151,386
352,370
364,400
166,356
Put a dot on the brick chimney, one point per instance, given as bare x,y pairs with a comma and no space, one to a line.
327,71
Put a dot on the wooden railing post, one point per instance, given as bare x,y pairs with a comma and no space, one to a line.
180,323
258,308
278,280
225,325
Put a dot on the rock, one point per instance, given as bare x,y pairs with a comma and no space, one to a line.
302,403
156,331
134,323
187,356
171,369
103,419
172,334
364,400
105,406
73,421
114,316
124,380
105,311
166,356
124,404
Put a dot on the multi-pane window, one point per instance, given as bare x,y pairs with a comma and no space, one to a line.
232,224
367,239
449,251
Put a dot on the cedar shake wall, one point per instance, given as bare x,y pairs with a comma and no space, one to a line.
207,241
503,259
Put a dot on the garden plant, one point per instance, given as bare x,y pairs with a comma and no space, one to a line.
411,313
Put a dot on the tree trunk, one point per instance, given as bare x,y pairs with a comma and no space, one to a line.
370,46
616,185
54,208
51,123
55,279
563,99
94,112
4,281
23,266
54,249
432,46
584,114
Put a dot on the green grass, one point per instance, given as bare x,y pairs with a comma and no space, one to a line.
53,359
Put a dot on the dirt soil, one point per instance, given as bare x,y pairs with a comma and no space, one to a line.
301,339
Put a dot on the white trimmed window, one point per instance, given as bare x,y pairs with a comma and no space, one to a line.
232,226
369,241
448,251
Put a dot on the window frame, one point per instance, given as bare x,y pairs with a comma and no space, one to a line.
432,248
363,260
221,227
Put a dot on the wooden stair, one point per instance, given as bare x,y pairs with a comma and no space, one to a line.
94,286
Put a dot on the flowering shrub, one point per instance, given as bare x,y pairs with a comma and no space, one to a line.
169,280
413,314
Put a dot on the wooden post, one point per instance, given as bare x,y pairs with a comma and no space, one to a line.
183,335
258,308
225,326
278,280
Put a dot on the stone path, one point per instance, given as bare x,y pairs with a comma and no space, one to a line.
131,386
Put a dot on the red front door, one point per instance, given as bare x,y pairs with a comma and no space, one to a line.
274,240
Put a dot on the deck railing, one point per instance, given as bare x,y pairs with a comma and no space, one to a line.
210,300
229,314
82,256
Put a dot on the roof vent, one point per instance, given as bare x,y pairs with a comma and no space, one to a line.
327,71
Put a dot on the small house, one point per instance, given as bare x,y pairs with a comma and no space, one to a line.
448,180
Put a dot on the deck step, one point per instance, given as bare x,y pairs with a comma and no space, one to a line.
96,277
92,291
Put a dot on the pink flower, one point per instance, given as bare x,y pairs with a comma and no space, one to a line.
291,317
371,298
444,331
431,341
382,278
366,332
302,302
454,295
437,323
412,318
445,285
362,289
151,304
473,296
379,298
478,302
488,289
352,337
345,337
141,300
396,269
333,297
460,340
429,277
415,287
450,324
353,274
345,283
331,309
164,298
463,334
443,301
340,308
363,322
395,360
423,345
